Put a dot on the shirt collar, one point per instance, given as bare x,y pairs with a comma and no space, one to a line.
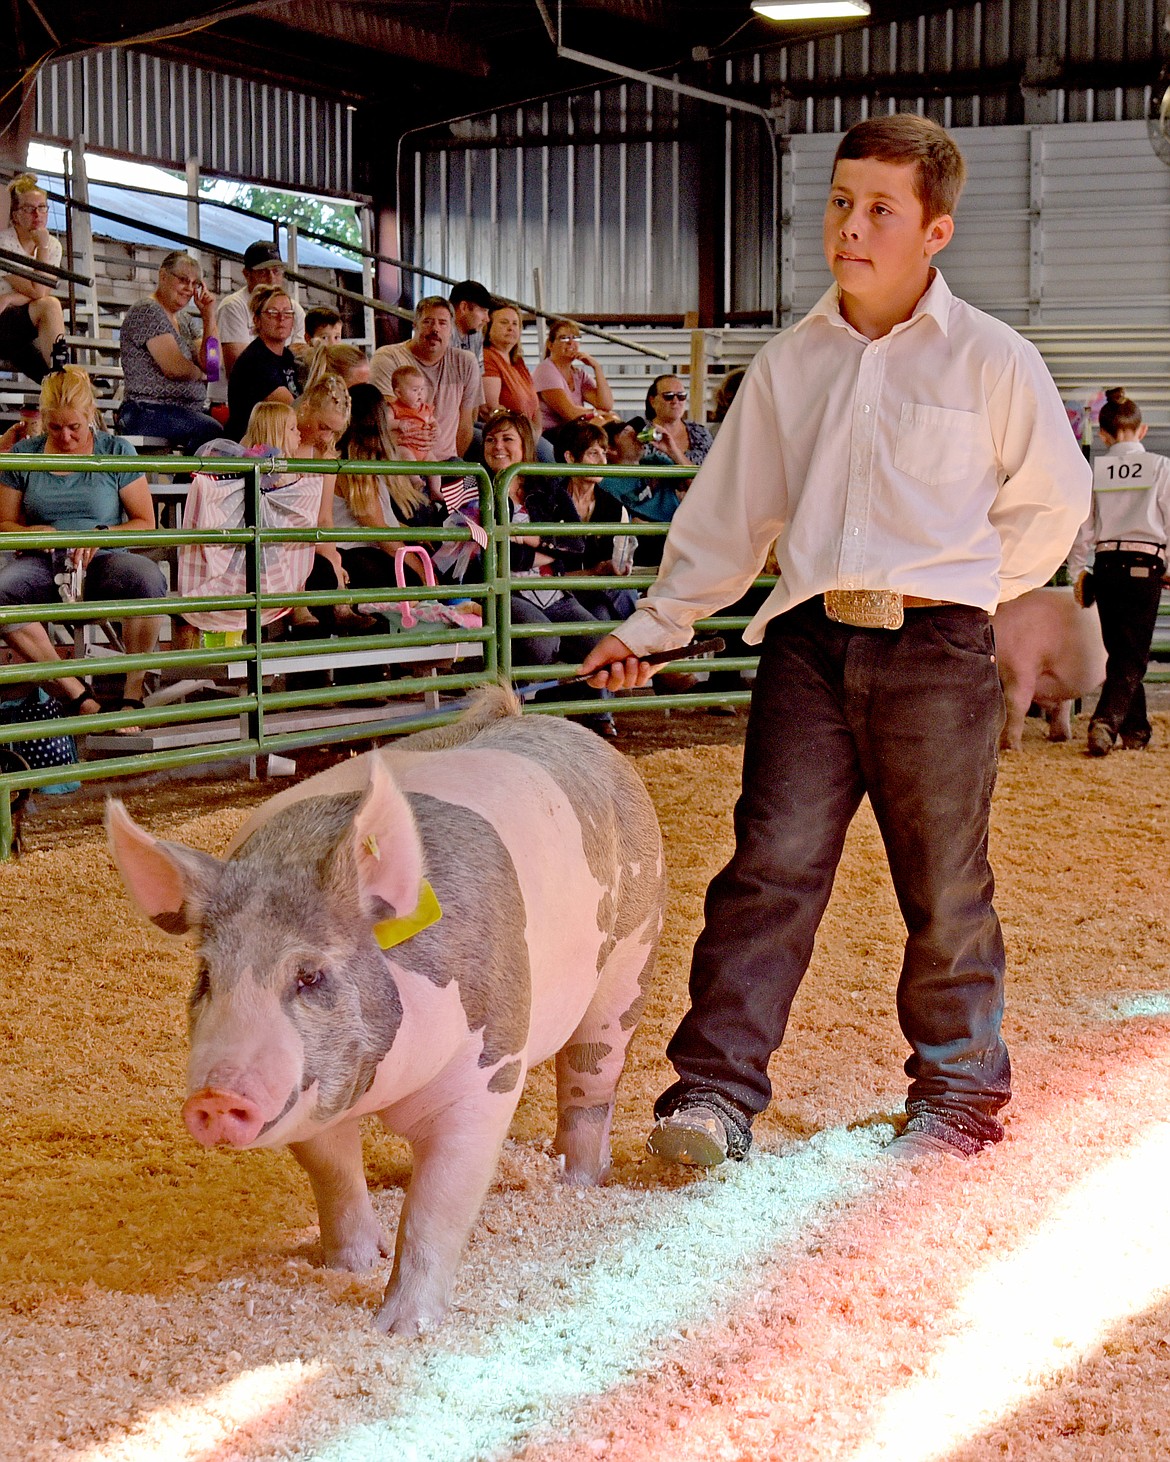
936,302
1124,449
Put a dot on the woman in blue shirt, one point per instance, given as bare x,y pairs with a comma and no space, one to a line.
63,501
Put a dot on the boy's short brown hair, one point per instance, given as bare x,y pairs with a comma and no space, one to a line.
940,171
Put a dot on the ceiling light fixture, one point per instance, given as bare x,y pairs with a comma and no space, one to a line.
811,9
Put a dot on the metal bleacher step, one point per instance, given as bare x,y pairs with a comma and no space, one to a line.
223,732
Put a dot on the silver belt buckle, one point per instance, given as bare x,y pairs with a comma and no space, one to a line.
865,608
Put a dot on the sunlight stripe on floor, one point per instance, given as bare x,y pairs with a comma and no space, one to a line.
190,1431
688,1256
1140,1005
1102,1255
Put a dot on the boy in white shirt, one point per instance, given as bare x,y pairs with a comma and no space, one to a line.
1126,534
911,461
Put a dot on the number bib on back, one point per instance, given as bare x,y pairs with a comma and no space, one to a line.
1122,474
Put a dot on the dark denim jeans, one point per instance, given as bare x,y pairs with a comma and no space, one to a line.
185,428
1127,602
911,717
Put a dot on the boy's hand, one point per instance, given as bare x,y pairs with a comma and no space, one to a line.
616,667
1079,589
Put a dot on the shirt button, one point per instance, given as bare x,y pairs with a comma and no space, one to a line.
866,410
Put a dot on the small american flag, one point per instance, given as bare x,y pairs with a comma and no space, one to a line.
462,498
456,494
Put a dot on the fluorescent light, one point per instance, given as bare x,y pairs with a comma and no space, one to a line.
811,9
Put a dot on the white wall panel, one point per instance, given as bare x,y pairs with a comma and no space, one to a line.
1101,224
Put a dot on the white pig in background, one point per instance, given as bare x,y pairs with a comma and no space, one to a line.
327,988
1050,652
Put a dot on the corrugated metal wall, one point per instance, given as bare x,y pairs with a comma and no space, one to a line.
1058,224
610,222
613,224
159,111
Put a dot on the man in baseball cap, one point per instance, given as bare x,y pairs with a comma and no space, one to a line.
262,265
470,302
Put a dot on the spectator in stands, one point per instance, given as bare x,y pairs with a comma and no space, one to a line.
373,500
347,361
726,393
323,415
646,499
507,381
567,388
30,314
267,370
262,265
452,375
507,440
78,502
584,500
164,364
322,326
411,408
470,303
685,443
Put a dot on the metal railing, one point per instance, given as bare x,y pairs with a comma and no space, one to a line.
262,659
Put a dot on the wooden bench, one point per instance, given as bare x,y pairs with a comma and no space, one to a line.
223,730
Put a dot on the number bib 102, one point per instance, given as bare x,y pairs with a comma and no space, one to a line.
1122,474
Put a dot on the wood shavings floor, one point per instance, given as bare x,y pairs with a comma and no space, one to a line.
159,1301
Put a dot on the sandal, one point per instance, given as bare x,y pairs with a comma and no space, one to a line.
73,704
128,703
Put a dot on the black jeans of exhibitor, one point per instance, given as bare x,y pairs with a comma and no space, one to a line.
1128,588
912,717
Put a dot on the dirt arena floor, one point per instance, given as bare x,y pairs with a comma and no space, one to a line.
160,1301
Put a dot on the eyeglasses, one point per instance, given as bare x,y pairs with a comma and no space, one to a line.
561,338
673,395
32,208
279,314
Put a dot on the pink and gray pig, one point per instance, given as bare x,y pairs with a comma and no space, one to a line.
543,851
1050,653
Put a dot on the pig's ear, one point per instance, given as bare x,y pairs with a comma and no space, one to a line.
386,847
169,883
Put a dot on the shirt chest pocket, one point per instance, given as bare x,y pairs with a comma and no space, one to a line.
936,444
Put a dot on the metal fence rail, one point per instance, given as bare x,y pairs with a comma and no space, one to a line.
493,591
263,658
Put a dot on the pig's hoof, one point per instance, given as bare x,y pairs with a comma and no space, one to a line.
360,1254
396,1317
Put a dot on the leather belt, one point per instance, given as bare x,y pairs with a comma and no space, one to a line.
874,608
1127,545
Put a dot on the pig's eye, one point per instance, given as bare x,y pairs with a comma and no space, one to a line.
202,987
310,980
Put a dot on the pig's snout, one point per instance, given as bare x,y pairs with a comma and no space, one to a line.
222,1118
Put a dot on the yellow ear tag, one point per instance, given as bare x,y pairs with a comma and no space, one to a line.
395,931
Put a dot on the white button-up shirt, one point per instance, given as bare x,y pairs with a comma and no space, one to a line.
1131,502
936,460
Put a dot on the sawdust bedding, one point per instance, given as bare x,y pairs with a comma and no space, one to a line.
161,1301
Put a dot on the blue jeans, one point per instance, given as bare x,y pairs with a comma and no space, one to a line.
182,426
112,574
911,717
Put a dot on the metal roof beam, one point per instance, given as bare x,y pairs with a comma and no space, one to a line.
363,26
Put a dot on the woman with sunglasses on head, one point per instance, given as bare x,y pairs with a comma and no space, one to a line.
30,313
267,369
571,384
675,439
164,359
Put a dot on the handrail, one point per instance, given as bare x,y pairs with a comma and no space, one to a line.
206,247
40,271
360,249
